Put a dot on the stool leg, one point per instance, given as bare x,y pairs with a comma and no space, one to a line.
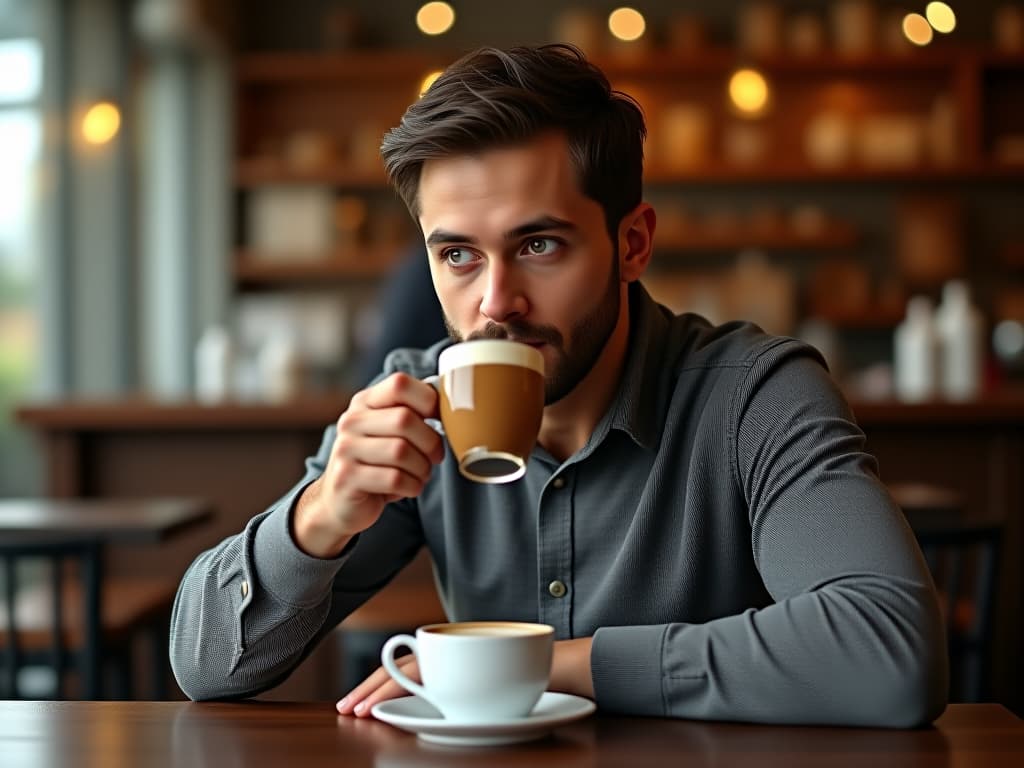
57,622
92,578
13,662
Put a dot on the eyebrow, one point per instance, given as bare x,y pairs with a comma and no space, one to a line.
542,224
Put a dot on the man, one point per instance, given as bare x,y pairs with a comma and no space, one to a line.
699,521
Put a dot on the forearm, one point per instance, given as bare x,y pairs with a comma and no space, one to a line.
862,650
570,667
247,610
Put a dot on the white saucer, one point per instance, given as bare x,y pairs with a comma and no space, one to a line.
411,713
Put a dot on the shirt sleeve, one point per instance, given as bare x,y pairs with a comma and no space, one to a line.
250,609
854,636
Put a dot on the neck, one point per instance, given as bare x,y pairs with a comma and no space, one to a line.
569,423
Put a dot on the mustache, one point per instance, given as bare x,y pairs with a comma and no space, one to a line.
517,331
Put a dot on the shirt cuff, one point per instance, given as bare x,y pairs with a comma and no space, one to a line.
289,574
625,663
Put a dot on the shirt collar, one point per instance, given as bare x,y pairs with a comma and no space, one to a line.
641,398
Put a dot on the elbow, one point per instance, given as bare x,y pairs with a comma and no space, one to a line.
908,693
201,676
916,697
206,681
196,680
916,693
905,683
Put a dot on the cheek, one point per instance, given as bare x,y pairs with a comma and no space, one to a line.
457,302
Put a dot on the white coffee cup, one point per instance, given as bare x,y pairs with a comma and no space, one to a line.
477,671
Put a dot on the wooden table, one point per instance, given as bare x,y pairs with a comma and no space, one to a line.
82,529
255,734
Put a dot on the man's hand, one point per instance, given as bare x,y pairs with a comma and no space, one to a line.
570,673
384,451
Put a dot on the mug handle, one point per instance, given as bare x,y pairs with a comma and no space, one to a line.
387,658
434,381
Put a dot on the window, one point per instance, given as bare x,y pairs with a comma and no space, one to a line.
21,79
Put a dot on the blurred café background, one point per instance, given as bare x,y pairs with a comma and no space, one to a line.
196,242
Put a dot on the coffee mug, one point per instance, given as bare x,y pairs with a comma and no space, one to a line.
477,671
492,402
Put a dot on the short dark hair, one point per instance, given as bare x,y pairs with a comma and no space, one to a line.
492,98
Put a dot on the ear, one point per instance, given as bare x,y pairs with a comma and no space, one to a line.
636,242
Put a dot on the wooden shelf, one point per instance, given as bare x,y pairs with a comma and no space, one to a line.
715,60
837,236
361,66
260,173
253,270
387,65
251,174
727,174
869,318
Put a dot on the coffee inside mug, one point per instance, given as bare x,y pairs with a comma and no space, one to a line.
492,403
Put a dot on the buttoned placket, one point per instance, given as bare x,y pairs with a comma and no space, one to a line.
554,544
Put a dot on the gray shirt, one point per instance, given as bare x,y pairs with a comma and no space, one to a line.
722,535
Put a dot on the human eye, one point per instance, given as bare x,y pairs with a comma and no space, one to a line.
458,257
541,246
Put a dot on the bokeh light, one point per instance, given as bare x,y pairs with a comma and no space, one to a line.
917,29
941,17
101,123
435,18
748,91
627,24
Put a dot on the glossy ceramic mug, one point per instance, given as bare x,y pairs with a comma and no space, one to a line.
492,403
477,671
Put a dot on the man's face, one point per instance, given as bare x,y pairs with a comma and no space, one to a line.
517,251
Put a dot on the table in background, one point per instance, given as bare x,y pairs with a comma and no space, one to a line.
84,528
256,734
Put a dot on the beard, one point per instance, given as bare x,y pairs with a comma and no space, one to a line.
587,339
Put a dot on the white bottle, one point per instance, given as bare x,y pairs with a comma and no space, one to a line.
961,335
214,363
280,369
915,374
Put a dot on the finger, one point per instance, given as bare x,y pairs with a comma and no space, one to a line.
402,389
390,690
394,422
357,481
374,681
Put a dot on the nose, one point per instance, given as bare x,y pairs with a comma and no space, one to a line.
503,296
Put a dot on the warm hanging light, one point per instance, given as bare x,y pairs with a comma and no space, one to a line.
627,24
917,29
941,17
101,122
429,80
748,91
435,18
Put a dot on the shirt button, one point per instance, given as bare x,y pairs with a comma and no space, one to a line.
245,588
557,588
558,482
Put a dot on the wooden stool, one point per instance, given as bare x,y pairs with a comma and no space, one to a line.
132,608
